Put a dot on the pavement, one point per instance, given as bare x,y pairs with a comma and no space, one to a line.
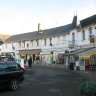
89,75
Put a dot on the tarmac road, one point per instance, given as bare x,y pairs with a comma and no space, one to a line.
47,81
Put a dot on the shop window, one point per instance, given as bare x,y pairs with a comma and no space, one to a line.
60,59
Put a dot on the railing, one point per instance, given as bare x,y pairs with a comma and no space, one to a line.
72,44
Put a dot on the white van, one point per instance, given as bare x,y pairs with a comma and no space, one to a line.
21,62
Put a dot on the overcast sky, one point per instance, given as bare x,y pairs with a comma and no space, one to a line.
21,16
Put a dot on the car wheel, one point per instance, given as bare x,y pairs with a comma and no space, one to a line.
14,85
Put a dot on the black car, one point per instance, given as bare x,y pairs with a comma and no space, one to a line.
11,74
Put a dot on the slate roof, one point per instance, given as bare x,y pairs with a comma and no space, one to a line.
45,33
88,21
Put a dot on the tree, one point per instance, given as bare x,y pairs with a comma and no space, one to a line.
1,42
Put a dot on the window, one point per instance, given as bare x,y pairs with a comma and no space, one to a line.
3,67
32,42
37,42
13,67
90,31
83,35
45,41
27,45
24,43
19,44
50,41
73,38
6,45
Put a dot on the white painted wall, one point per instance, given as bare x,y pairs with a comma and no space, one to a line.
86,41
58,41
7,47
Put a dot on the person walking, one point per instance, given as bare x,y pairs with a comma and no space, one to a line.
30,62
25,62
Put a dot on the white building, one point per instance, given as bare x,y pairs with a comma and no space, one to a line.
51,45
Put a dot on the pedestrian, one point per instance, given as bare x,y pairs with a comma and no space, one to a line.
30,62
25,63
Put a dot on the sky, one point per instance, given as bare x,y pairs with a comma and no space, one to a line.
22,16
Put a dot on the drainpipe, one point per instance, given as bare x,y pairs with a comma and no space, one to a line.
95,36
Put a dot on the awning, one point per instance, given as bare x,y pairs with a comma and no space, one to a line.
80,51
87,55
29,52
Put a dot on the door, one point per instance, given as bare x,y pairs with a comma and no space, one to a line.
33,57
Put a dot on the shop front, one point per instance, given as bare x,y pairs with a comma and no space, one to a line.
89,59
52,57
26,54
81,58
45,57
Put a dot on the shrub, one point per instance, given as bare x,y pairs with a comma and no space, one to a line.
88,88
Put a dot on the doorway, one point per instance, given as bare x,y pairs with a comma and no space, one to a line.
33,57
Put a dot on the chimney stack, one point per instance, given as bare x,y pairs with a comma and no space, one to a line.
39,27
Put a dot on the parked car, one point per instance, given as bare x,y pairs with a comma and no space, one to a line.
11,75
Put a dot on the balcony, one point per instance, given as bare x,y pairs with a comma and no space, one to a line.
72,44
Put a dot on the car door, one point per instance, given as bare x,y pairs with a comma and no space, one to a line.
14,71
3,75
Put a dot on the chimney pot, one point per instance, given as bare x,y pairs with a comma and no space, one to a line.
38,26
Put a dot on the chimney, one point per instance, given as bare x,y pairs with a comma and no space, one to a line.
39,27
74,22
